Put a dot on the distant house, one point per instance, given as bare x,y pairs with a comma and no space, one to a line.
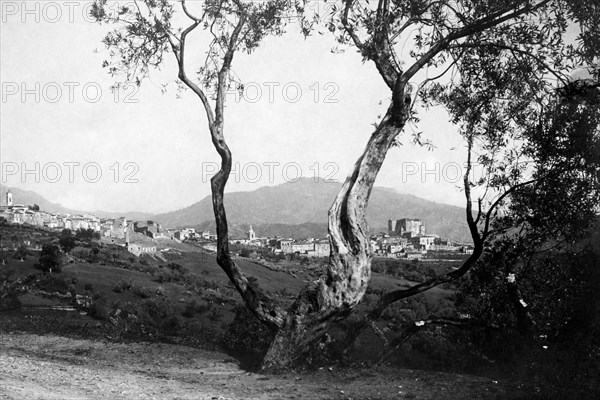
467,249
18,217
79,222
106,227
310,248
6,214
302,247
407,227
413,254
394,248
425,242
139,249
180,235
118,228
150,229
139,244
322,248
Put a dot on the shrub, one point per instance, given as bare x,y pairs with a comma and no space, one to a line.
377,267
247,338
123,285
163,276
50,259
215,314
20,253
245,253
67,243
99,309
159,313
190,309
53,283
143,292
178,267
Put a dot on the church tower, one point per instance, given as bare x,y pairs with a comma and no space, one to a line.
9,199
251,234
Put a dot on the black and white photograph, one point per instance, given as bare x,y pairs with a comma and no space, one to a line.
299,199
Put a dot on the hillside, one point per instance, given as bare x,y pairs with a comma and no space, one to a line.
280,209
29,197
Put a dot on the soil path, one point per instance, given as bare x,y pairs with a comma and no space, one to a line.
52,367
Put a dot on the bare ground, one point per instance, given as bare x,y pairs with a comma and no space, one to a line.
53,367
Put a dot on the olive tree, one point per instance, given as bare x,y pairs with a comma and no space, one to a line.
446,30
148,31
495,66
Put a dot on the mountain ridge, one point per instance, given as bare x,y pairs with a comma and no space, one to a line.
296,209
307,202
29,198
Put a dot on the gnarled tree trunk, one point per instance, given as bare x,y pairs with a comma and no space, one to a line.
334,297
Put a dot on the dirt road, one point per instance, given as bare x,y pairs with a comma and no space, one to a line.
51,367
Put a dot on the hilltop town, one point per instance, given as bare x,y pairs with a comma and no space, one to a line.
406,238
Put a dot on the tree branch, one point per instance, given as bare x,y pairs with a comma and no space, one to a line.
476,27
184,78
462,323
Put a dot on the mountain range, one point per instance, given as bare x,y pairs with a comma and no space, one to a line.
303,207
295,209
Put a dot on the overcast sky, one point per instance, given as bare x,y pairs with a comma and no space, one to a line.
60,121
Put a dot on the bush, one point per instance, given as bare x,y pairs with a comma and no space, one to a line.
67,243
247,338
50,259
190,309
20,253
143,292
160,314
245,253
99,308
54,283
215,314
123,285
178,267
163,276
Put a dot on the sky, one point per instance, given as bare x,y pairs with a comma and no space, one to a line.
306,112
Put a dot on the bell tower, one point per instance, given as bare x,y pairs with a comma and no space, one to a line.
9,199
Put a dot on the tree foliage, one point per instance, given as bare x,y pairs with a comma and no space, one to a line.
50,258
496,68
492,64
67,243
